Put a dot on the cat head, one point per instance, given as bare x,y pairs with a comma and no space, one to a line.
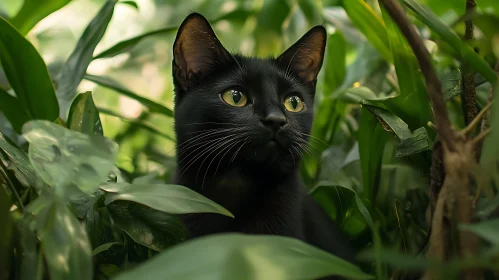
230,107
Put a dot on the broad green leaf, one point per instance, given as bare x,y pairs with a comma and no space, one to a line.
238,256
140,124
152,228
171,199
412,104
488,230
33,11
65,242
358,95
28,248
409,142
372,140
370,24
467,54
335,63
66,158
83,115
27,74
451,84
13,110
102,230
128,44
76,65
360,205
20,164
103,247
416,143
109,83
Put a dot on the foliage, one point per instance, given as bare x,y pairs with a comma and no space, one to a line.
83,180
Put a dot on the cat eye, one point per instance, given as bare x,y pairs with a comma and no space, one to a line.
294,104
235,98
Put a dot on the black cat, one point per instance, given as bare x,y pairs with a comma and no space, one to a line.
241,126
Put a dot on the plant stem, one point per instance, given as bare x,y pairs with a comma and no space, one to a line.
469,93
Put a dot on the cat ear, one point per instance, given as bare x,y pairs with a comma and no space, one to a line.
306,55
196,50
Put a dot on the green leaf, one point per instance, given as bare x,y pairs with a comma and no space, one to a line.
76,65
33,11
66,158
416,143
20,164
412,104
109,83
65,242
130,3
370,24
467,54
13,110
410,142
27,74
128,44
360,205
372,140
335,63
451,84
154,229
490,151
171,199
28,248
488,230
238,256
140,124
103,247
83,115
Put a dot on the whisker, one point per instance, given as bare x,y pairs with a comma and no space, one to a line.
220,161
213,150
235,154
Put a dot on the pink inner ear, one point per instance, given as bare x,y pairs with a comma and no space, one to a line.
305,56
196,48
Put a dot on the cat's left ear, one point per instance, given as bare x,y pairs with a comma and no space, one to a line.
196,51
306,55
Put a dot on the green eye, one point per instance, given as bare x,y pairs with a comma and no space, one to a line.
294,104
234,98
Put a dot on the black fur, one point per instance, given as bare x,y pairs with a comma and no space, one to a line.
246,158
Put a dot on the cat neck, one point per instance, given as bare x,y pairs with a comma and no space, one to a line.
237,184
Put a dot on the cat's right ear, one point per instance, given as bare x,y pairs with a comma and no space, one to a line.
196,51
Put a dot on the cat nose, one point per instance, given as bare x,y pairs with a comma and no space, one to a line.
274,121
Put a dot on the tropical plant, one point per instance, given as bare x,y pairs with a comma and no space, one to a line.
402,153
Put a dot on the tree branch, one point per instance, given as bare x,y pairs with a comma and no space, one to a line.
469,92
433,85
